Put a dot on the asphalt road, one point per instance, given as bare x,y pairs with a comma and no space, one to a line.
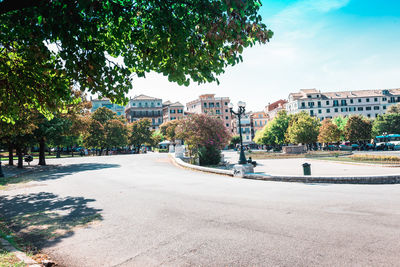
154,213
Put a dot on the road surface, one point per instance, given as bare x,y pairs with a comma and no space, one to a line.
152,212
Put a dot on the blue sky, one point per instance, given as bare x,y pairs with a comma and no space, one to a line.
323,44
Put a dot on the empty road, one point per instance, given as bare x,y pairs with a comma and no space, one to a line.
144,211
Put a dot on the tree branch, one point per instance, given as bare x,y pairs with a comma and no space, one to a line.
13,5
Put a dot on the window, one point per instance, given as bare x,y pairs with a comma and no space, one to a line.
172,111
217,111
255,123
360,108
140,104
384,107
226,103
310,104
368,108
312,112
152,104
227,125
335,103
369,115
205,105
384,99
328,110
226,118
376,107
367,99
303,105
336,110
173,118
145,104
217,104
211,104
376,99
319,103
359,100
226,110
327,102
351,101
343,102
319,111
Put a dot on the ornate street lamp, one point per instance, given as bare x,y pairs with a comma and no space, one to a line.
239,113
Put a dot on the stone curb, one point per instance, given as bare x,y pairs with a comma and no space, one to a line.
201,168
19,254
373,179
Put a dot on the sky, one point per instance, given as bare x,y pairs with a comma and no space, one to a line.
330,45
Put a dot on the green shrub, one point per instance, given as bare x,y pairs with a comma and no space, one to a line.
209,155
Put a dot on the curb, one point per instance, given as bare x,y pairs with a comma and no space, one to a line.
19,254
374,179
180,162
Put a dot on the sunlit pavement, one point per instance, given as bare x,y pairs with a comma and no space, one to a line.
154,213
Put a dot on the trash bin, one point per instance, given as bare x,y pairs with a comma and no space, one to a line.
307,169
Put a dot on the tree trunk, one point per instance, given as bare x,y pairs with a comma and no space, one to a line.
72,152
10,154
42,145
20,159
101,151
107,151
58,152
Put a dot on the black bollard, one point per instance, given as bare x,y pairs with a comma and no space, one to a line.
1,170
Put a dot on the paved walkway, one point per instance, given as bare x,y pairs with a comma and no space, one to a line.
318,167
150,213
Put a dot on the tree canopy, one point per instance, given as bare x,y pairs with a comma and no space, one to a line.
303,128
387,123
328,132
99,45
358,128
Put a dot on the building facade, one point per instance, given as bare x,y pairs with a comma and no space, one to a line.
246,127
173,111
213,106
272,109
259,120
369,103
105,102
143,106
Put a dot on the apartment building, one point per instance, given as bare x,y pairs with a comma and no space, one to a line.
247,127
369,103
213,106
272,109
105,102
143,106
259,120
172,111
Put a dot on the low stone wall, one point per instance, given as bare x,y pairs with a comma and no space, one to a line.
294,149
377,179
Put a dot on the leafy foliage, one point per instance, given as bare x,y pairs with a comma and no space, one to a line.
387,123
303,128
328,132
167,129
358,128
274,133
341,122
140,133
100,45
394,108
209,155
234,140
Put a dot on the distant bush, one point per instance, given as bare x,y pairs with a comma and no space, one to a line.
375,158
210,155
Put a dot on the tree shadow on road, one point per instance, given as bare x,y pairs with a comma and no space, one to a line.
52,172
42,219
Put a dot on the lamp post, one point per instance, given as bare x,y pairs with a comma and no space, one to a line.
239,113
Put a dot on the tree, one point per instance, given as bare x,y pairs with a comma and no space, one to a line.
140,133
341,122
388,123
394,108
116,134
95,136
328,132
235,140
200,130
167,129
274,132
358,128
156,138
184,40
303,128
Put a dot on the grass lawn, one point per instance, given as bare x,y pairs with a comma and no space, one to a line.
349,159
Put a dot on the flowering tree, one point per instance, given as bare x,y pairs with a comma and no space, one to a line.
202,131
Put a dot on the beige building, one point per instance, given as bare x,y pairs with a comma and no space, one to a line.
172,111
369,103
213,106
272,109
143,106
